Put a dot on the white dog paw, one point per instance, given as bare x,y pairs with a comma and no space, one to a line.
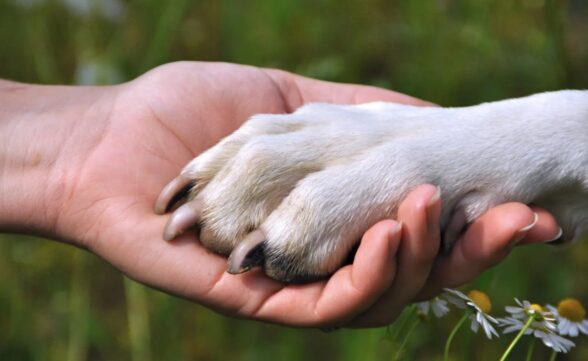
309,184
294,193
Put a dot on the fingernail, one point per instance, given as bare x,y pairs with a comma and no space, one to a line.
394,236
557,237
432,217
396,230
521,233
435,197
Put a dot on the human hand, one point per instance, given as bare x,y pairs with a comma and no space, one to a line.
108,158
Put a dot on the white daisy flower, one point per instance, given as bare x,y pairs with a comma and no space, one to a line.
525,309
570,314
543,325
554,341
479,303
437,305
547,336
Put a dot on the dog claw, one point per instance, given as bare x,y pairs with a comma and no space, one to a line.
171,192
247,254
181,220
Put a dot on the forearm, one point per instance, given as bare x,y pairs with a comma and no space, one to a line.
37,126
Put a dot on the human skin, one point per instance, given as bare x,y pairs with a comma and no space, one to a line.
84,165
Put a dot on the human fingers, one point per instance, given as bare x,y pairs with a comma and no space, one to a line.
546,229
487,242
350,291
419,213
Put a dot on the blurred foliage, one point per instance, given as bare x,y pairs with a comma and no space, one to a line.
60,303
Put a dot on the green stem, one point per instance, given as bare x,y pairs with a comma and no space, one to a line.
406,338
518,337
553,356
79,305
452,335
138,319
530,351
404,318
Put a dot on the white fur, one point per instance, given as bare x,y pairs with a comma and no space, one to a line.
315,180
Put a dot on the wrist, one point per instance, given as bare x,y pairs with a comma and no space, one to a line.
45,133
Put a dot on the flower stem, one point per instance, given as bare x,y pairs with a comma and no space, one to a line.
406,338
530,351
518,337
553,356
452,335
394,331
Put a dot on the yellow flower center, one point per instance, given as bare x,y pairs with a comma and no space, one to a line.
481,300
571,309
540,313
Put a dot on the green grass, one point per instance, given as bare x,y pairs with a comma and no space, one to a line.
60,303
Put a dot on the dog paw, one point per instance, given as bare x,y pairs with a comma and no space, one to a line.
294,193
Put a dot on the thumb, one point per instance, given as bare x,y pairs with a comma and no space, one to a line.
298,90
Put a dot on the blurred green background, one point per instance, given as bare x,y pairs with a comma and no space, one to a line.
60,303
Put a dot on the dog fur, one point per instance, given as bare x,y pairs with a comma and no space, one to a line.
315,180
